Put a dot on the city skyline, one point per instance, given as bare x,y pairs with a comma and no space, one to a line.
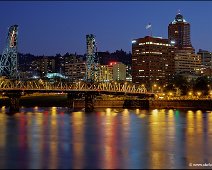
48,28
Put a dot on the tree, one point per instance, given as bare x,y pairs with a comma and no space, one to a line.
181,83
169,88
201,84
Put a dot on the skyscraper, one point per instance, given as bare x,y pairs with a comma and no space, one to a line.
91,59
179,33
187,63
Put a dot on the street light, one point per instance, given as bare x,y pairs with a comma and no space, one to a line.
170,94
190,94
199,94
154,86
210,93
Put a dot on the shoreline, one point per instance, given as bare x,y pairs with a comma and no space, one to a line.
61,101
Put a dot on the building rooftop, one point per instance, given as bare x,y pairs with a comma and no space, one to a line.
179,18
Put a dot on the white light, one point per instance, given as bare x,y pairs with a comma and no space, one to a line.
133,41
172,42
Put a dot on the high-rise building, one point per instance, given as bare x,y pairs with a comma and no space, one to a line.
91,59
152,60
187,63
179,33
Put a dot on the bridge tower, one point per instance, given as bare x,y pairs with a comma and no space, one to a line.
92,63
8,60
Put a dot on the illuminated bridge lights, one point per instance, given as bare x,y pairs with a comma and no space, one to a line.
38,85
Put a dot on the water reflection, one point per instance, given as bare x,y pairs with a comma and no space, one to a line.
53,138
3,122
109,138
78,122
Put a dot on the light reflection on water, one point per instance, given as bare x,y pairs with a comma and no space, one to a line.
109,138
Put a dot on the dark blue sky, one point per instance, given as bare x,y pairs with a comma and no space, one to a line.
58,27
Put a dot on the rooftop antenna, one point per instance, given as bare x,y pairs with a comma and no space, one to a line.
149,26
178,11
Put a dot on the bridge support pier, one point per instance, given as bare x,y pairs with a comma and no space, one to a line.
70,100
89,102
14,101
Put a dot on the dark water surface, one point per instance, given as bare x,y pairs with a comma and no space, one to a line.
108,138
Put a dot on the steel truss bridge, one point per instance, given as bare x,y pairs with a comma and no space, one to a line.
14,89
42,86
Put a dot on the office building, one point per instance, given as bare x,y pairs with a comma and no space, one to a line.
206,58
119,71
187,63
115,71
74,68
152,60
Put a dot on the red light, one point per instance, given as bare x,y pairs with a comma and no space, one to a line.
112,63
46,112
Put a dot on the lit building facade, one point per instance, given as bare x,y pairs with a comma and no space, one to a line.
106,73
206,58
119,71
187,63
152,60
115,71
45,65
74,68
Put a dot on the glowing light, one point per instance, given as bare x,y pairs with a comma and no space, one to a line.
172,42
155,112
199,93
108,110
133,41
112,63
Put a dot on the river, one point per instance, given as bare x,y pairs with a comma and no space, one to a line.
56,138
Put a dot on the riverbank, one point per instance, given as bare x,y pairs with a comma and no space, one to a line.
61,101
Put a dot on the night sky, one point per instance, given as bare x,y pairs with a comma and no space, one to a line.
58,27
